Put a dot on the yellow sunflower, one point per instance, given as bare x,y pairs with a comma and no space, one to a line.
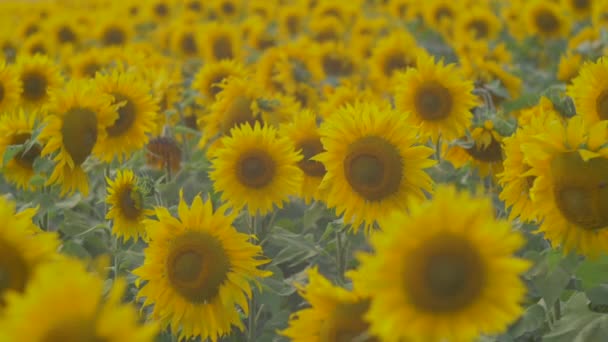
255,167
477,23
87,63
222,42
569,65
23,249
37,44
185,40
336,314
291,20
127,207
485,150
344,94
10,87
447,269
88,317
39,76
440,14
545,19
228,9
373,163
589,90
304,134
437,97
16,129
515,182
75,129
581,9
114,32
210,76
327,30
136,111
197,269
570,162
337,61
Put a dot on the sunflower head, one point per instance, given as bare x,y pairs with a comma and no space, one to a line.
39,77
371,169
546,20
222,42
443,278
209,78
256,167
391,55
197,268
127,206
437,97
10,87
589,90
164,153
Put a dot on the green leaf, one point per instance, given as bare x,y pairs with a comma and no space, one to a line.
10,153
598,295
579,324
593,272
532,320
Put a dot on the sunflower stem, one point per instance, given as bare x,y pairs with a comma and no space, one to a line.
339,256
252,319
557,310
438,150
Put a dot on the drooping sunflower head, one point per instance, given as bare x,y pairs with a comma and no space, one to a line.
10,87
136,114
164,153
209,78
589,90
39,76
546,19
395,53
75,129
198,268
303,132
222,42
257,168
447,267
569,162
16,129
127,206
336,314
23,249
89,317
438,98
373,163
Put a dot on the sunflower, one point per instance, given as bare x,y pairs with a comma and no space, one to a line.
394,53
405,9
207,81
255,167
545,19
160,10
453,280
345,94
336,314
136,114
326,30
37,44
10,87
16,129
515,182
599,18
89,317
75,129
163,153
275,72
304,134
23,249
235,104
227,9
440,14
222,42
337,60
114,32
87,63
580,8
39,76
438,97
373,163
64,31
478,23
291,20
197,269
569,162
185,40
589,90
484,149
568,67
126,201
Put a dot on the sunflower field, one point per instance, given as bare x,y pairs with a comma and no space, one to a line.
304,170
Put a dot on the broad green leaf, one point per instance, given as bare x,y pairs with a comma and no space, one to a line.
579,324
593,272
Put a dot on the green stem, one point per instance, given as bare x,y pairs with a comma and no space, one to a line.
252,321
339,256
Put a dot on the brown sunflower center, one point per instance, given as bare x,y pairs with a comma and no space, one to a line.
256,169
492,153
161,10
581,4
443,13
546,21
188,44
239,112
79,132
479,28
38,48
114,36
394,62
34,86
326,35
373,167
195,6
433,101
66,35
126,116
31,29
345,323
197,265
581,190
74,330
14,269
292,23
601,105
90,69
228,8
26,158
336,65
310,148
215,84
222,48
130,202
444,274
